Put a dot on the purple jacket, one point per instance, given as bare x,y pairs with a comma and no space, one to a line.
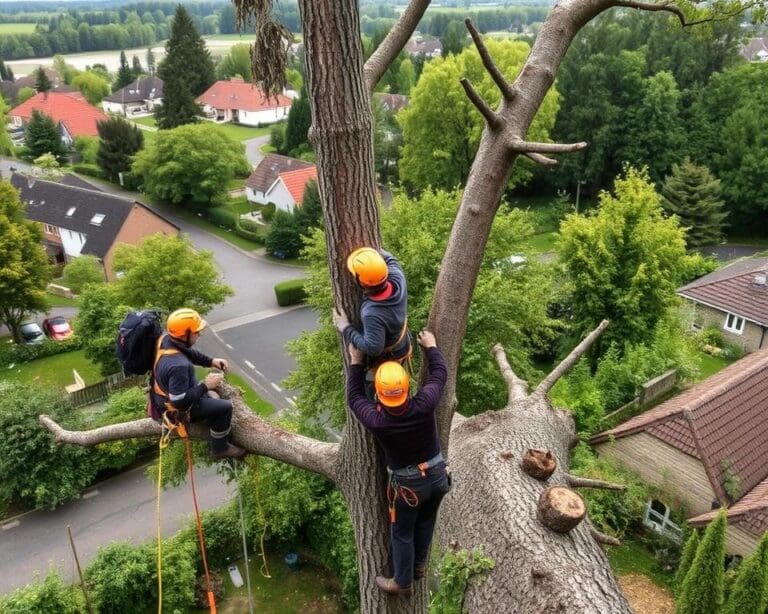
409,438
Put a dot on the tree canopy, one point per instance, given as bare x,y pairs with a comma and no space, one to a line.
41,136
119,140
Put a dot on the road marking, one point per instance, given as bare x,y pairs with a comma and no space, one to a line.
90,493
259,373
291,401
276,387
229,347
254,317
11,525
250,364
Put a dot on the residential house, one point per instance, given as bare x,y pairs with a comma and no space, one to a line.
266,174
391,102
288,190
10,89
243,103
428,47
755,50
140,96
705,448
735,300
74,116
77,220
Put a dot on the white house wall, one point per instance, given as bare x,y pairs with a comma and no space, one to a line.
72,242
112,107
280,195
268,116
255,196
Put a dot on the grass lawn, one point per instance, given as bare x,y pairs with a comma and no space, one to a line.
149,120
55,371
17,28
266,148
242,133
633,557
542,242
227,235
54,300
709,365
236,184
309,588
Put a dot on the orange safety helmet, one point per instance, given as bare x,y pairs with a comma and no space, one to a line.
184,321
368,267
392,384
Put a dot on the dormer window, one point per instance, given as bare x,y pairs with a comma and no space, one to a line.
97,219
71,211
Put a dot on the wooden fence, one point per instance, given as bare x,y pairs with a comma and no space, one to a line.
102,390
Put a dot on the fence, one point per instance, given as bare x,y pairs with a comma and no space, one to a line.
650,391
102,390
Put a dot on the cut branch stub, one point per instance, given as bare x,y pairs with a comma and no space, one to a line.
539,464
561,509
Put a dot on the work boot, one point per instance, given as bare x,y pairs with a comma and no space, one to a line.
419,571
388,585
231,451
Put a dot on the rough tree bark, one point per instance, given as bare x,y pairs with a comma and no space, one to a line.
494,501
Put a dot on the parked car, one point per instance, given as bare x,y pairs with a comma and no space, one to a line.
31,333
57,328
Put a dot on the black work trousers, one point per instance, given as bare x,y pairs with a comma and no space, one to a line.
411,533
218,414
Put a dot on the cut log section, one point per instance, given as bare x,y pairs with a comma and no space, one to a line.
561,509
539,464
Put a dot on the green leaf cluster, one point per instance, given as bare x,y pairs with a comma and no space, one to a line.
82,271
457,569
49,595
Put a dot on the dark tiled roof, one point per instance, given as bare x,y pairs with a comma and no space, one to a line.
78,182
10,89
138,91
733,289
266,173
48,202
749,513
720,419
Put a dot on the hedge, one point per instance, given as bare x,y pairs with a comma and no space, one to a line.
248,232
15,353
268,212
290,292
222,217
249,224
92,170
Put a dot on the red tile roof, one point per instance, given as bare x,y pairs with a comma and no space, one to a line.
77,116
749,513
242,96
734,289
268,170
296,181
720,419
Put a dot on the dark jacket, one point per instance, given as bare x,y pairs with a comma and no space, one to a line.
409,438
175,374
383,319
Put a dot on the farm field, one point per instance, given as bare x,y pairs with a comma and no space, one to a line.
17,28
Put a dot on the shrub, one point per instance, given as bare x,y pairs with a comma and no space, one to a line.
244,231
88,148
290,292
15,353
268,212
221,216
50,595
81,271
249,224
88,169
284,236
702,590
711,335
120,578
223,539
689,551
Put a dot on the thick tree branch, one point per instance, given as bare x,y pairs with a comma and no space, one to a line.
504,86
653,7
248,431
546,384
526,147
517,388
393,43
602,538
539,159
494,121
576,481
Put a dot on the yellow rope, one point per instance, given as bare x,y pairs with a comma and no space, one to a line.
163,442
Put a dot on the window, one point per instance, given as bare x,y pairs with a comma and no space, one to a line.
51,230
734,323
97,219
71,211
657,518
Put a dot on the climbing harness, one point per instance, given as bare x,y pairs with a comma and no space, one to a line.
396,491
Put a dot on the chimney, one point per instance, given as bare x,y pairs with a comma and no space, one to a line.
760,278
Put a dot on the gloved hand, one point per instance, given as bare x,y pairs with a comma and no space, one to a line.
340,320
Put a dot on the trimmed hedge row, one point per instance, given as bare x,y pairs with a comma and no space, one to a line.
15,353
290,292
221,216
92,170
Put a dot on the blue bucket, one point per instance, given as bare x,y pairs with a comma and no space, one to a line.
292,560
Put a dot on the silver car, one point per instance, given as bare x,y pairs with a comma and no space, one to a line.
31,333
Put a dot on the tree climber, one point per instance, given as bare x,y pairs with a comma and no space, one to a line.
406,429
176,389
383,312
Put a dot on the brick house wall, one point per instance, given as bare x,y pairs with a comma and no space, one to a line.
750,338
140,223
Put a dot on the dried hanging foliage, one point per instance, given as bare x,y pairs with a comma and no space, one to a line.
269,53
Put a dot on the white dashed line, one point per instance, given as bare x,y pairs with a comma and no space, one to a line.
91,493
291,401
250,364
259,373
11,525
229,347
276,387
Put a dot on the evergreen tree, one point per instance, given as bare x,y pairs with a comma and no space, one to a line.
299,121
187,56
179,106
151,61
6,74
284,236
124,74
119,140
136,68
310,214
750,590
42,136
42,82
689,551
702,590
6,146
693,194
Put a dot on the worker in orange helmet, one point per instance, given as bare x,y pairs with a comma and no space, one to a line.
176,389
384,310
406,429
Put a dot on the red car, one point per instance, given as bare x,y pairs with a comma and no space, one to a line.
57,328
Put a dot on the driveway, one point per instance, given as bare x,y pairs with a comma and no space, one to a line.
253,149
727,252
